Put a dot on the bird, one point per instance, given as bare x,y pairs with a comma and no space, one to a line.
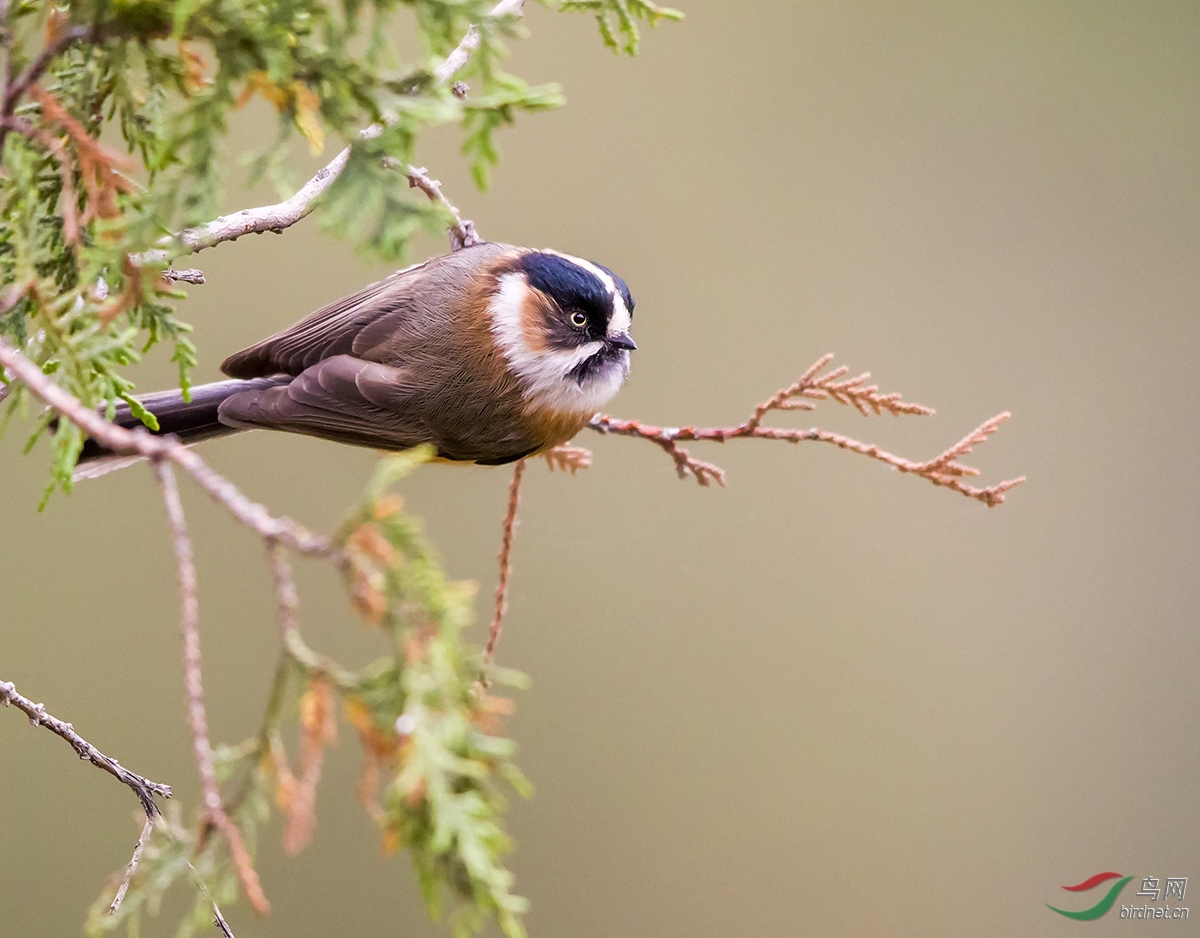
488,355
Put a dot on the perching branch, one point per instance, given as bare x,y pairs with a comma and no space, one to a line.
138,442
944,470
141,786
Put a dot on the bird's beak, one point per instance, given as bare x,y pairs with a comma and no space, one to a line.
622,340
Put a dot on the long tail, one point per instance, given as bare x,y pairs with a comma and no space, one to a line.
191,421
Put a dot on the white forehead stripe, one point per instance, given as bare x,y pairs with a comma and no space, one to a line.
546,374
621,319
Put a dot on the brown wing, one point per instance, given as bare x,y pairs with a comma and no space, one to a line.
341,398
373,324
349,400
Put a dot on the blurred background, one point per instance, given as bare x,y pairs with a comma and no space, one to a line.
829,699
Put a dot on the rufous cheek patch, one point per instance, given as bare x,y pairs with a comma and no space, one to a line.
536,312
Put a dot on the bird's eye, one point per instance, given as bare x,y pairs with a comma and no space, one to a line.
578,319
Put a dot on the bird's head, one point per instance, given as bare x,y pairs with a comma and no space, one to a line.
563,325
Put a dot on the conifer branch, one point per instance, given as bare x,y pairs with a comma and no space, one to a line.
15,89
943,470
283,215
138,442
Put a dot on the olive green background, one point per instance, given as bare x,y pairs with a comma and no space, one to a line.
829,699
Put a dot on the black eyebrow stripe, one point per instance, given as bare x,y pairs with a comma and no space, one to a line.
569,284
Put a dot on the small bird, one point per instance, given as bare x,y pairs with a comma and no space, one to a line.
490,354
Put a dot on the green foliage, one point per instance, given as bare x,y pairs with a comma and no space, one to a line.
163,77
426,717
617,19
429,729
80,295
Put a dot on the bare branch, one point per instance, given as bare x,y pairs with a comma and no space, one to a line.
147,829
506,542
458,58
219,919
470,42
275,218
141,786
139,442
944,470
214,808
462,233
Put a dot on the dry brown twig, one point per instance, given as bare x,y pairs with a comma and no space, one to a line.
318,722
506,542
99,165
943,470
214,807
15,89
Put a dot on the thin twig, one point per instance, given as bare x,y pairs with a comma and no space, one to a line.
458,58
147,829
462,233
218,918
142,787
264,218
190,275
287,602
470,42
506,541
139,442
214,809
943,470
